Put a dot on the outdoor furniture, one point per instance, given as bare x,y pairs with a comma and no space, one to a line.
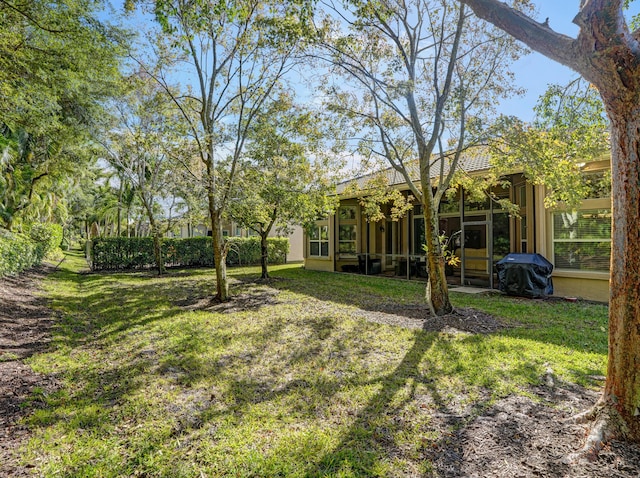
417,268
369,266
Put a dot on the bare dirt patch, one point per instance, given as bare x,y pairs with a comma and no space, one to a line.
25,324
462,319
523,437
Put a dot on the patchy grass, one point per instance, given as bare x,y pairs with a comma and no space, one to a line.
286,381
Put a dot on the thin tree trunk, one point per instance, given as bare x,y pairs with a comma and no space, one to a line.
219,251
437,292
119,208
157,242
264,255
219,257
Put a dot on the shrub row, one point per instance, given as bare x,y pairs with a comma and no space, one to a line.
19,252
121,253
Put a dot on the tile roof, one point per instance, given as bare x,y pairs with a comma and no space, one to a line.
468,163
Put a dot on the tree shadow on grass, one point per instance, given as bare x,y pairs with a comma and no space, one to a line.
370,441
371,435
541,321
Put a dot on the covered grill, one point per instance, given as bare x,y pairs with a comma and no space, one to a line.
526,275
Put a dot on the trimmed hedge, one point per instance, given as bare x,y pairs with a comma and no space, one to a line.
18,252
121,253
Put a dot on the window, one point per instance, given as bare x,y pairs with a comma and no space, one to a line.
347,213
598,184
347,239
522,196
523,233
319,241
347,230
582,239
449,205
501,238
476,204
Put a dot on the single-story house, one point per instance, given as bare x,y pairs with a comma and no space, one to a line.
578,243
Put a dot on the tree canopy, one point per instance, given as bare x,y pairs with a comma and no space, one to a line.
58,64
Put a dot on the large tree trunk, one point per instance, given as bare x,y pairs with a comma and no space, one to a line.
622,387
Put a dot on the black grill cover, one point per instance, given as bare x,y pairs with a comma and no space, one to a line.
527,275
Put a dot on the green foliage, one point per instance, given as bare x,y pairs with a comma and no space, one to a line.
18,252
570,129
445,248
47,236
118,253
375,194
58,64
246,250
287,178
123,253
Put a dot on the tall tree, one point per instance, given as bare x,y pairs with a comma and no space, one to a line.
422,78
142,149
607,54
287,176
57,64
570,128
236,52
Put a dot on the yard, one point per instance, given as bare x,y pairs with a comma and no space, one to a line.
307,374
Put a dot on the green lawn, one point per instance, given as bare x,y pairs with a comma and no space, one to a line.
295,385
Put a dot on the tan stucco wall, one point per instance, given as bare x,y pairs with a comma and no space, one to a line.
584,288
315,264
296,244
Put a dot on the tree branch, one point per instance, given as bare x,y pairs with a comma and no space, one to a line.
31,19
537,36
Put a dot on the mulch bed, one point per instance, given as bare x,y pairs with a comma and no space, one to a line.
516,437
25,324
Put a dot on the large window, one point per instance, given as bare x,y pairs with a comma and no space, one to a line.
582,239
347,239
319,241
347,230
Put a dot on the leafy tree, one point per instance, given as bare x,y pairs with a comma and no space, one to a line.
141,149
570,127
57,64
607,54
286,176
421,80
236,52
